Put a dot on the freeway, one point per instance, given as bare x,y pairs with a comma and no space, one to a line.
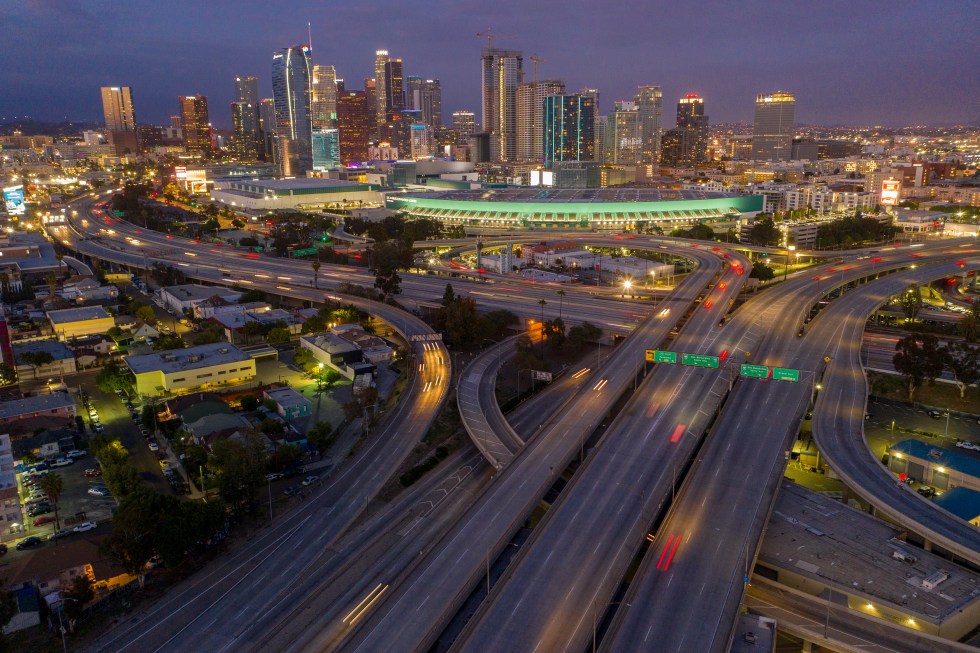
412,615
838,430
705,547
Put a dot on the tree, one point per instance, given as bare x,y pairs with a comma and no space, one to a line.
315,324
387,259
448,296
316,271
209,334
37,359
970,324
277,336
52,281
249,403
554,334
321,436
240,467
252,329
114,376
238,223
7,374
963,360
168,342
80,593
527,357
764,232
579,336
271,426
762,272
918,363
461,318
911,302
134,528
52,485
146,314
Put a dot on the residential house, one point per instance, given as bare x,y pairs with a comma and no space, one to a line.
84,288
144,331
289,403
185,297
63,359
28,612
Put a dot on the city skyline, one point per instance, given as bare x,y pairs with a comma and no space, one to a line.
829,63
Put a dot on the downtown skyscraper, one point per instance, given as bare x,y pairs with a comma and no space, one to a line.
686,145
291,92
530,117
120,118
569,128
502,72
424,95
772,130
247,138
195,123
649,108
324,96
247,89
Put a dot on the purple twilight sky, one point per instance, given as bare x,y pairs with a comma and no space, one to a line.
858,62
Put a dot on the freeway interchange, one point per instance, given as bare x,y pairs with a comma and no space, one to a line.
680,483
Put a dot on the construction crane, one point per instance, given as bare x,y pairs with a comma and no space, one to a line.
489,34
535,60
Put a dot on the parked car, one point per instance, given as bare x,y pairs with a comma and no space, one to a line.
57,535
76,453
293,489
927,491
43,519
28,542
310,480
154,446
93,473
275,476
62,462
39,509
85,526
935,414
99,491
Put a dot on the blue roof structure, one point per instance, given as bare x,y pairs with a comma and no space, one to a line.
961,501
948,458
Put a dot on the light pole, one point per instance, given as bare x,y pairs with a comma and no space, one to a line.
627,285
791,249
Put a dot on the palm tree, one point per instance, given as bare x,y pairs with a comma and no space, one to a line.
52,285
316,270
60,258
52,485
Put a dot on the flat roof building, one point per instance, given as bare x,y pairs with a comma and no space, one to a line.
56,404
941,468
74,322
185,297
272,194
289,403
196,368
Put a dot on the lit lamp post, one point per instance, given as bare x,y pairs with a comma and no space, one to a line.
626,287
791,248
319,377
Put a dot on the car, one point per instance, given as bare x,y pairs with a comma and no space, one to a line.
292,489
935,414
98,428
57,535
92,473
275,476
926,491
154,446
39,509
28,542
76,453
85,526
43,519
99,491
867,416
62,462
310,480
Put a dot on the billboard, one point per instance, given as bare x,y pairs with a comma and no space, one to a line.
13,200
890,191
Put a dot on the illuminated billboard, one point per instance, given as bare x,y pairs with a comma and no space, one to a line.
890,191
13,200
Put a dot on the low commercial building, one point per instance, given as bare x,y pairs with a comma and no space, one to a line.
186,370
289,403
185,297
919,221
941,468
75,322
962,502
11,517
62,363
83,288
56,404
821,547
261,195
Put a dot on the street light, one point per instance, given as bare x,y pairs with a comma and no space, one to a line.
626,286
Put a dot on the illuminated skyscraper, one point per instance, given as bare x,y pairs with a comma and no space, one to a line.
530,117
247,89
569,128
120,118
291,81
623,134
353,125
686,145
324,96
772,132
326,149
502,72
195,123
464,124
246,131
394,87
267,125
649,107
380,92
425,95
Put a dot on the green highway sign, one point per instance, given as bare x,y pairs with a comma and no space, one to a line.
657,356
785,374
754,371
304,252
699,360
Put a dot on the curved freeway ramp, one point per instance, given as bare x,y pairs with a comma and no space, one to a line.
838,427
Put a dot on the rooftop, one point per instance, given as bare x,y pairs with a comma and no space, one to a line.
175,360
37,404
67,315
58,350
196,291
575,195
961,501
286,397
819,538
303,182
960,462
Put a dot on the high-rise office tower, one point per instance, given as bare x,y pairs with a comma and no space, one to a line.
353,124
381,58
530,117
569,128
371,91
326,149
195,123
267,125
246,130
324,101
686,145
772,132
247,89
425,95
649,107
502,72
291,77
422,141
394,87
464,124
623,134
120,118
600,138
594,94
